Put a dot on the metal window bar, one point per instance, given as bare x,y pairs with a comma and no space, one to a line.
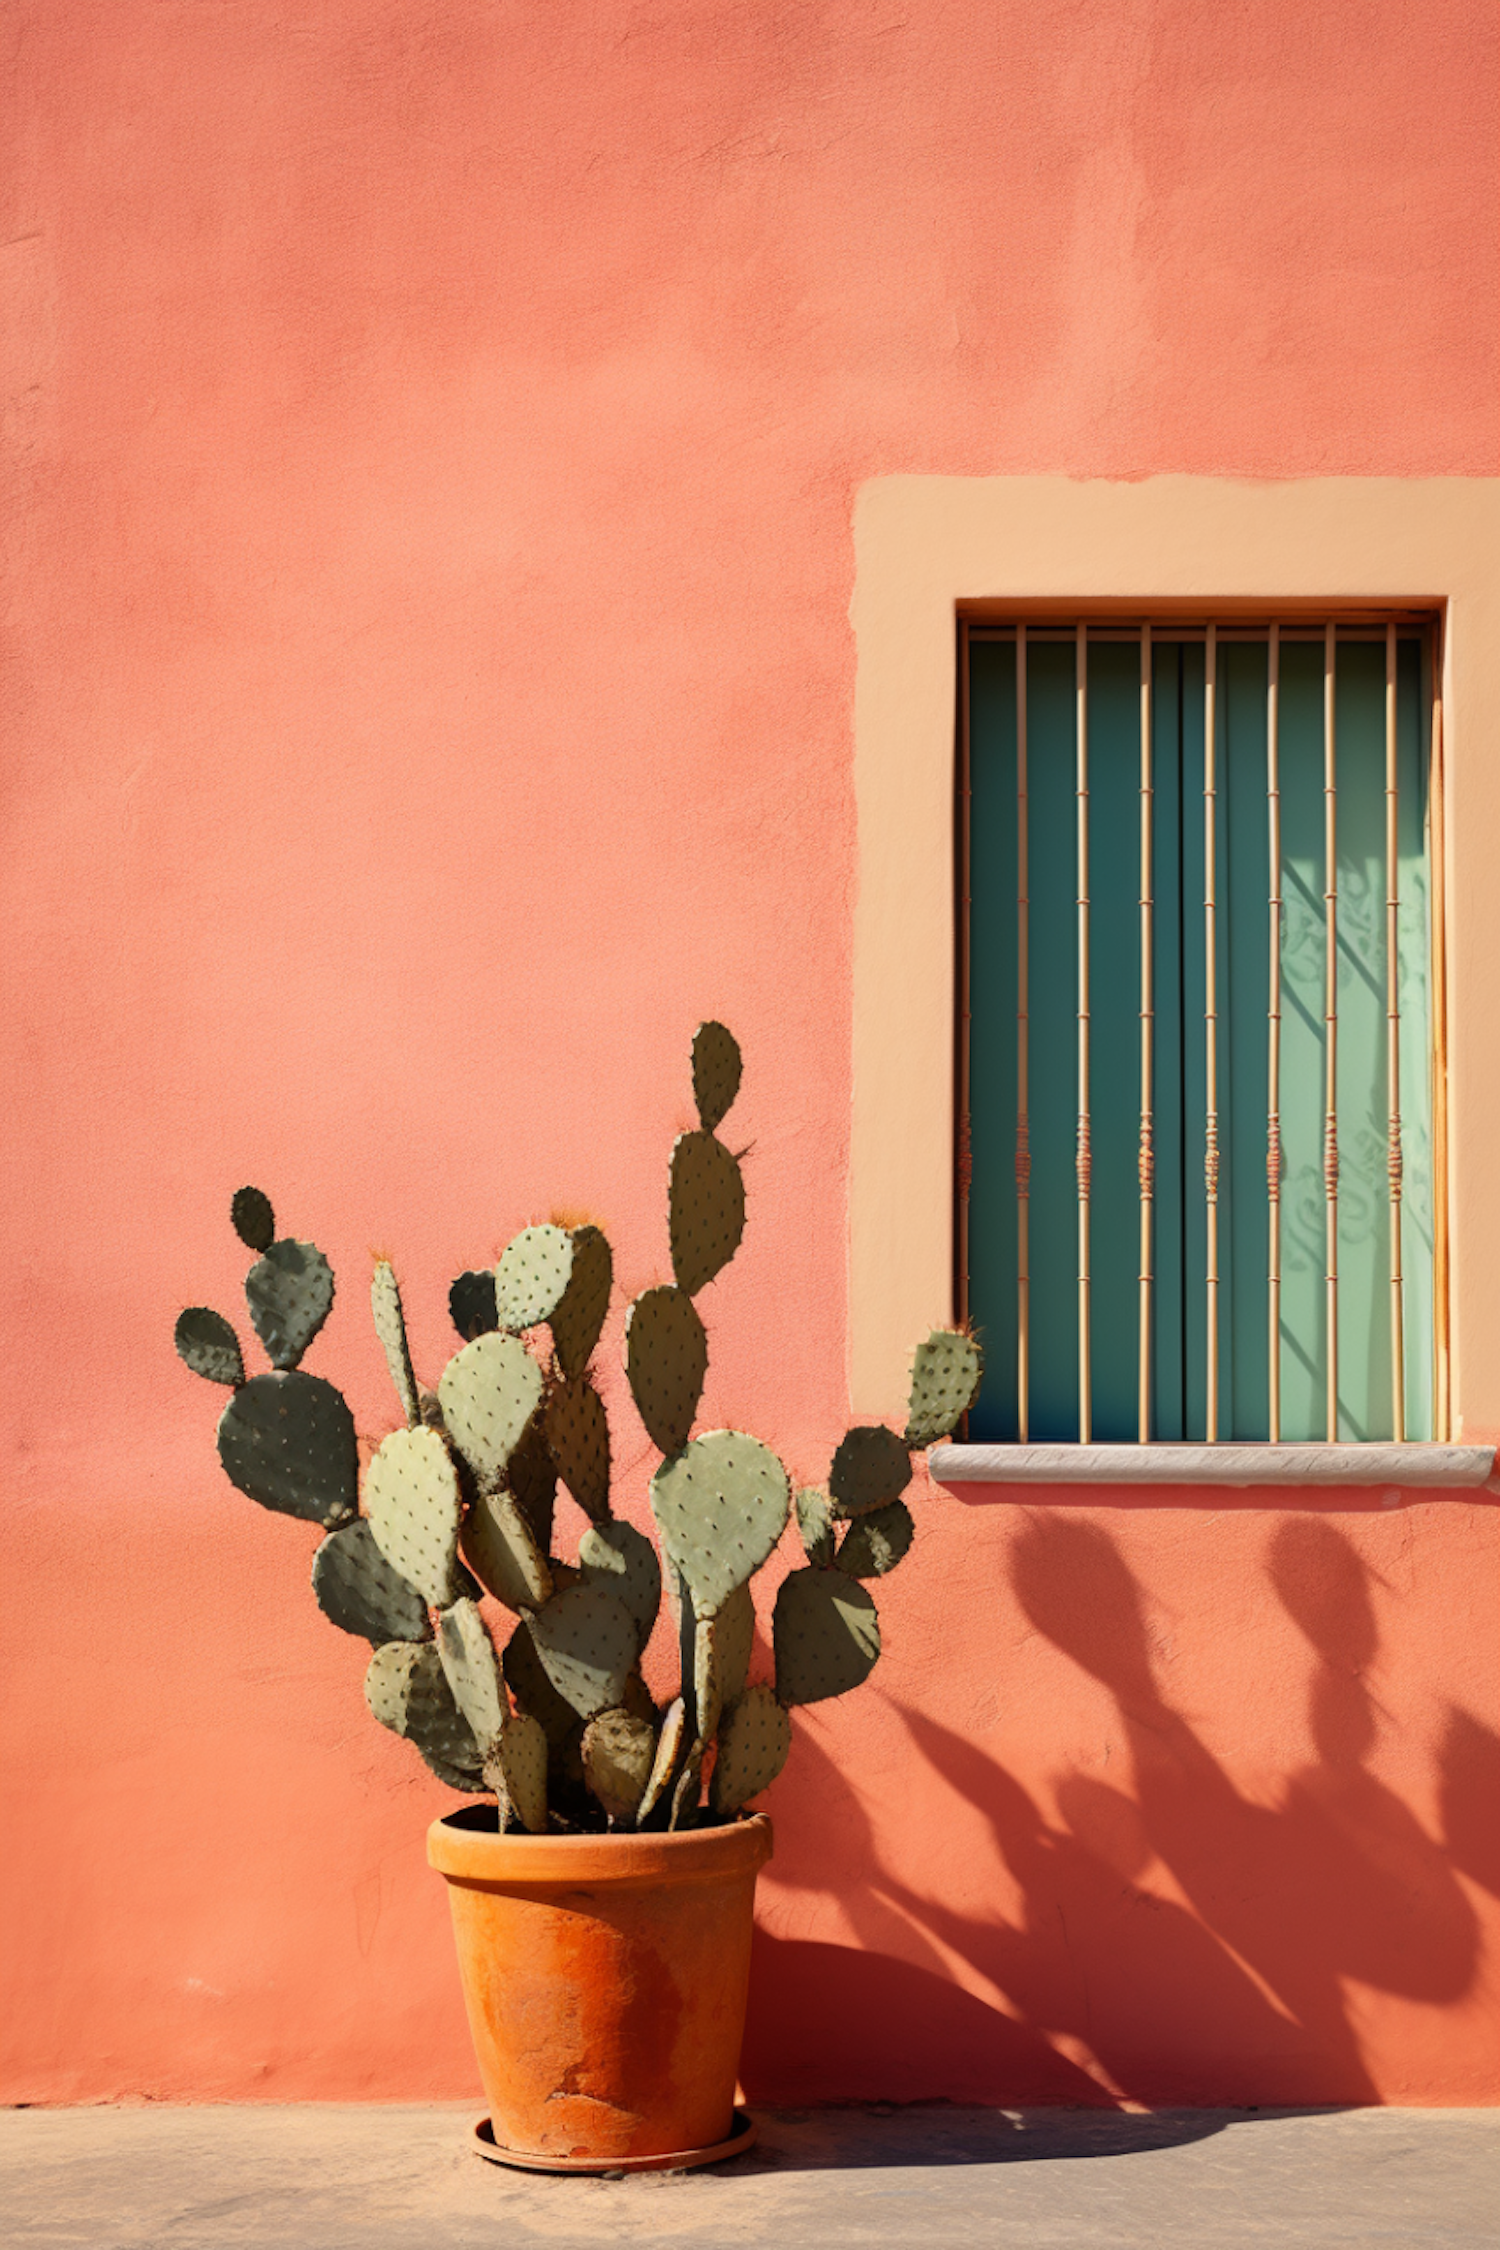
1393,1036
1084,1157
1023,1084
1273,1042
1145,1159
1437,841
1275,635
1331,1029
1211,1031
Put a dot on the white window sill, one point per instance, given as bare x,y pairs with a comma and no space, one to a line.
1417,1466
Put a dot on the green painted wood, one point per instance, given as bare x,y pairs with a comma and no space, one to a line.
1179,1337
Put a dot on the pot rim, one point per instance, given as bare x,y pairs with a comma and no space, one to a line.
485,1859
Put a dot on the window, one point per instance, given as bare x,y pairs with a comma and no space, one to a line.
1201,1134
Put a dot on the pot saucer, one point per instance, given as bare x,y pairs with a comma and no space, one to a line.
742,2136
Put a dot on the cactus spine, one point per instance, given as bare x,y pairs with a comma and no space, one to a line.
562,1729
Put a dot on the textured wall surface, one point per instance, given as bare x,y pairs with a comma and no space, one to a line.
433,439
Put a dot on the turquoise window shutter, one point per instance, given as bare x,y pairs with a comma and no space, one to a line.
1178,1333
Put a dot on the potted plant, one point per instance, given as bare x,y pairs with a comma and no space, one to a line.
602,1884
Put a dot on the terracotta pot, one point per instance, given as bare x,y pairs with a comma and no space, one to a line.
605,1979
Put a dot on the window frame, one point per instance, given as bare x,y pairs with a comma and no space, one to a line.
999,620
929,550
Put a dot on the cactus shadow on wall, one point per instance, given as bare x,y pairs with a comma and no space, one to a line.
1196,1942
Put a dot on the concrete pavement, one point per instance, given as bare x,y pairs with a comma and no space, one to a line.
404,2179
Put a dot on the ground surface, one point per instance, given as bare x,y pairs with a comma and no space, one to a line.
362,2179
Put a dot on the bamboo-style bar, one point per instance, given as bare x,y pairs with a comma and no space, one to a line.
1331,1027
1145,1156
1085,1159
1393,1035
1274,637
1273,1042
1211,1030
1023,1058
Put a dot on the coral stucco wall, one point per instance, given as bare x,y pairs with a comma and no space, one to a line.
433,442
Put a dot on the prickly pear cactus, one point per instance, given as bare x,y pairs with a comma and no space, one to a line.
562,1729
826,1636
577,1434
517,1772
670,1743
947,1369
290,1295
817,1525
390,1327
753,1744
209,1346
414,1507
876,1541
705,1209
407,1691
500,1548
467,1655
578,1316
532,1277
716,1074
666,1360
489,1391
288,1441
252,1218
618,1752
871,1467
359,1591
623,1561
471,1305
720,1506
586,1641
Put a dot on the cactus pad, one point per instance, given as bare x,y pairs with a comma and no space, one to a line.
688,1792
290,1294
579,1314
521,1759
471,1305
732,1632
532,1277
469,1663
716,1073
531,1689
489,1392
358,1591
288,1440
945,1376
618,1753
390,1327
826,1635
209,1346
721,1659
500,1549
637,1700
876,1541
577,1433
815,1523
666,1359
623,1561
252,1218
669,1744
720,1506
413,1504
407,1691
585,1639
705,1209
870,1467
532,1479
753,1745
